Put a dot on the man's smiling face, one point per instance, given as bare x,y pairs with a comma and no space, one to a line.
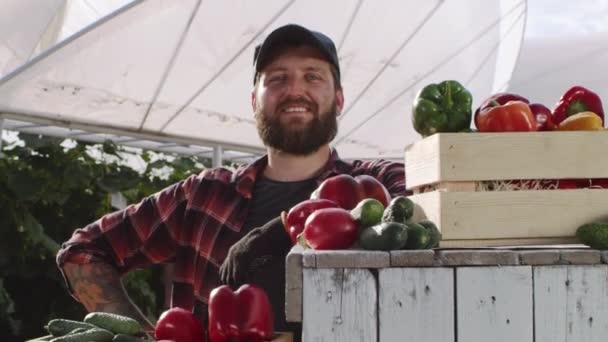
296,101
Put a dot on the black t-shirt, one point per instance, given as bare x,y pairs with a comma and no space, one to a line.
268,200
270,197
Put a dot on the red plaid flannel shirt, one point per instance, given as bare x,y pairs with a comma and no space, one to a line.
193,223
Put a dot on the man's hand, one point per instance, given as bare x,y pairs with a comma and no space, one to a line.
284,218
256,249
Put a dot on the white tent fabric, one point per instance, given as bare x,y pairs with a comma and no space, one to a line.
565,45
78,14
551,66
181,71
22,27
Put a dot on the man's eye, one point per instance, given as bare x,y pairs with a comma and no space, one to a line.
277,78
313,77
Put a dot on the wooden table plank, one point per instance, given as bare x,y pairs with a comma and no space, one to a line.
571,303
494,304
340,305
417,303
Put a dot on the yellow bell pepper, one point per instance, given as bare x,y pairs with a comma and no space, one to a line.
583,121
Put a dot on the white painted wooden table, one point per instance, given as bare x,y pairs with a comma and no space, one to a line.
449,295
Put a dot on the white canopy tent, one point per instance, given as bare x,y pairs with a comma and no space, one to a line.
176,75
19,38
565,45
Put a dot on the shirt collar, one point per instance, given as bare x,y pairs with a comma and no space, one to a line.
246,176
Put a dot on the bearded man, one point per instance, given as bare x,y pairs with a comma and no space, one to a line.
221,226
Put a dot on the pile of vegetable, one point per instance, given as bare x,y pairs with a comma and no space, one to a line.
447,107
358,212
241,315
97,327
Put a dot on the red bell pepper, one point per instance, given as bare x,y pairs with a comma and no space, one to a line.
577,99
577,183
513,116
601,183
330,228
500,99
242,315
297,215
179,325
347,191
542,114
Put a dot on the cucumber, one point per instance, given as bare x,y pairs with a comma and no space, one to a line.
117,324
385,236
368,212
60,326
594,235
417,237
126,338
435,233
78,330
42,339
91,335
400,209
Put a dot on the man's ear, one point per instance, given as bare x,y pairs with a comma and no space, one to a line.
339,100
254,100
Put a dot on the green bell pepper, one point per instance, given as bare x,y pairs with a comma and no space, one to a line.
442,107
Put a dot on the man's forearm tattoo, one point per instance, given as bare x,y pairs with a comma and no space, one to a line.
97,286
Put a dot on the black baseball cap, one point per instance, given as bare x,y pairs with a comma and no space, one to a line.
294,34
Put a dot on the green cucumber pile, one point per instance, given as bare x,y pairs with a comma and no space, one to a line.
96,327
392,228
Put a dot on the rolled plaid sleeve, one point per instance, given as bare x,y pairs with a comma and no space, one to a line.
140,235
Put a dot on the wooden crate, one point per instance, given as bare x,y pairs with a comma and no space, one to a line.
443,171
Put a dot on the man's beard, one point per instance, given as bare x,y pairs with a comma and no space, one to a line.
298,141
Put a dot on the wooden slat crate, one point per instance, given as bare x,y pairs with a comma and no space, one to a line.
445,170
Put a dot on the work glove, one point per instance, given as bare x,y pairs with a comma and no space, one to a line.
260,247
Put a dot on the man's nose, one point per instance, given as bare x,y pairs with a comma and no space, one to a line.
296,87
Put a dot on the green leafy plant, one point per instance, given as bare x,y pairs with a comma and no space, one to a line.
49,188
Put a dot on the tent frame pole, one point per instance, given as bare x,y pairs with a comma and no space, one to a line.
1,131
128,132
217,156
